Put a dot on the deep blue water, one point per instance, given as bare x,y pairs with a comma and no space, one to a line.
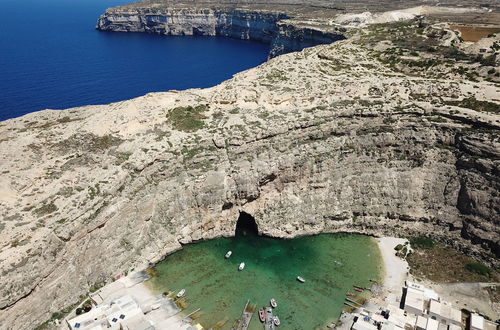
51,57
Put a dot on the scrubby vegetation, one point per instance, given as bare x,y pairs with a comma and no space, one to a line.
422,242
440,263
57,316
88,142
474,104
478,268
187,119
45,208
417,47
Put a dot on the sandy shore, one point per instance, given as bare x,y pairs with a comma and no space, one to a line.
395,268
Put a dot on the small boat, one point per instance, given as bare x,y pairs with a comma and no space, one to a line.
300,279
181,293
350,294
358,289
228,254
241,266
276,321
273,303
262,315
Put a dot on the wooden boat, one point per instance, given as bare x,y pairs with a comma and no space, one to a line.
228,254
300,279
273,303
262,315
276,321
241,266
181,293
358,289
350,294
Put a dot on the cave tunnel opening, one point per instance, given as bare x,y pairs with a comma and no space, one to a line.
246,225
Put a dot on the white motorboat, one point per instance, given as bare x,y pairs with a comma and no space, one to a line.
276,321
300,279
181,293
228,254
242,265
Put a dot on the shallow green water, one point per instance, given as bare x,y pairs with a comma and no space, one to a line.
330,264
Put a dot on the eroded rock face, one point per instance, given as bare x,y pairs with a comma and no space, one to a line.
329,139
239,24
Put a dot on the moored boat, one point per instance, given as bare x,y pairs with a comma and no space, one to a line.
358,289
350,294
276,321
262,315
273,303
181,293
241,266
300,279
228,254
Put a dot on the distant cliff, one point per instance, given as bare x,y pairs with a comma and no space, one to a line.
249,25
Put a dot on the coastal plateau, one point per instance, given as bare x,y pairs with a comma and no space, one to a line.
394,131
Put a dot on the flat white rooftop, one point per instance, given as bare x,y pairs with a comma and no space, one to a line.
432,324
414,300
476,321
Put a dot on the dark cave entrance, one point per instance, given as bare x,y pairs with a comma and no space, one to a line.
246,225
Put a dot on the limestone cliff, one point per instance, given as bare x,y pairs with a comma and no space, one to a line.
357,136
260,26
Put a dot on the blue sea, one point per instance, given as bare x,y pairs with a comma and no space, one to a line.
51,57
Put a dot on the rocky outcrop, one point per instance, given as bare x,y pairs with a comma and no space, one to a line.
240,24
291,37
336,138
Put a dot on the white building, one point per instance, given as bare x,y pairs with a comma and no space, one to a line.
432,324
421,323
121,313
360,324
476,322
414,301
454,327
444,312
427,293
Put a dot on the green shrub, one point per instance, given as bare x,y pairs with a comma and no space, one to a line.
422,242
45,209
57,316
487,60
398,247
478,268
188,118
474,104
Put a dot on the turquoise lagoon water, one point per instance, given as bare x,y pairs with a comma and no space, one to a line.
330,264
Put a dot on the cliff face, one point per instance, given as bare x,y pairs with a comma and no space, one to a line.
336,138
239,24
291,37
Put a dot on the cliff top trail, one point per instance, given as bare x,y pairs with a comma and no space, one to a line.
394,131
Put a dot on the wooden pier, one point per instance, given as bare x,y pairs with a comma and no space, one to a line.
246,317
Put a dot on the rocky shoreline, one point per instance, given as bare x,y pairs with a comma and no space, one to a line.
267,27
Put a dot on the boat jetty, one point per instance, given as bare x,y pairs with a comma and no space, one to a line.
269,322
246,316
